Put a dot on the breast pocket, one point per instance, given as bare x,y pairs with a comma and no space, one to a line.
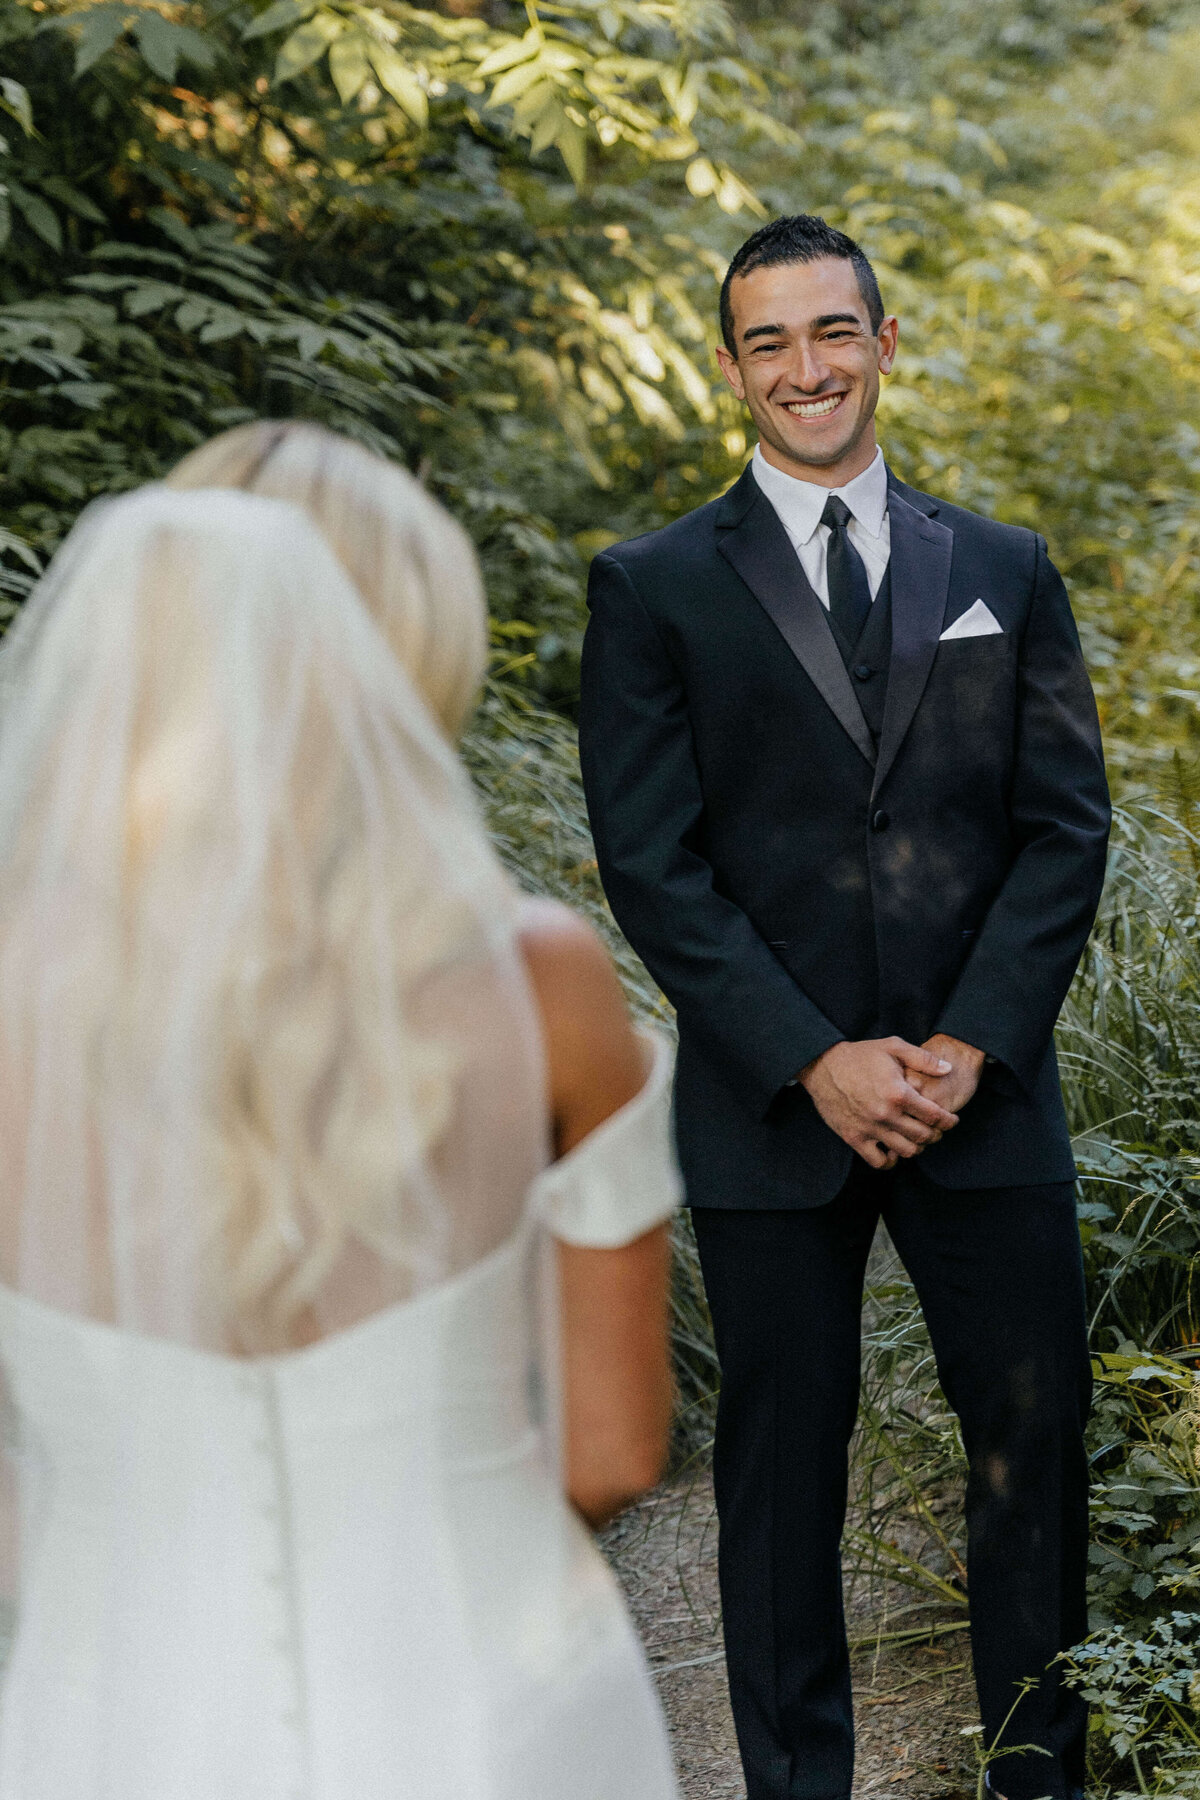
972,686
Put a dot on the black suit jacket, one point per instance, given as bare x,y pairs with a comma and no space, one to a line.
791,878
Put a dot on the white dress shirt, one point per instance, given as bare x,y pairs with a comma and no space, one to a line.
801,503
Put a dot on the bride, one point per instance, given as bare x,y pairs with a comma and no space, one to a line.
281,1510
416,569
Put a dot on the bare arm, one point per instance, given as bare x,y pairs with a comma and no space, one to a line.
617,1375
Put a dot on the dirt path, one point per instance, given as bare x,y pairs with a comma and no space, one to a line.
911,1704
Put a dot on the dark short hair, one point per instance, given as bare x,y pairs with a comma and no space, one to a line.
799,238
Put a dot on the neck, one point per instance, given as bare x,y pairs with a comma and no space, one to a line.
828,475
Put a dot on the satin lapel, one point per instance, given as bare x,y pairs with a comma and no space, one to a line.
760,551
920,563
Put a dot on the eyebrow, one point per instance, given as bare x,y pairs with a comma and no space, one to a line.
818,324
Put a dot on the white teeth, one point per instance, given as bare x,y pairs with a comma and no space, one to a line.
813,409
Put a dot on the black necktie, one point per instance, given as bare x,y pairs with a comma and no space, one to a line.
849,589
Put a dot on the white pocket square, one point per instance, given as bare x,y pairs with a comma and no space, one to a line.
977,621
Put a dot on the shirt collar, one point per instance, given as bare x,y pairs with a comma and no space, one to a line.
801,503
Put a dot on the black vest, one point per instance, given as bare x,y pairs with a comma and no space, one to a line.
869,659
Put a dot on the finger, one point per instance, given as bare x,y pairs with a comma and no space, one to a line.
873,1153
898,1145
920,1106
899,1124
922,1062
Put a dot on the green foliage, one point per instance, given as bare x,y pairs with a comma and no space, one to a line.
378,235
1146,1696
1033,218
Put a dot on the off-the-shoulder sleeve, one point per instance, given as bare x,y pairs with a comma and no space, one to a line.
623,1179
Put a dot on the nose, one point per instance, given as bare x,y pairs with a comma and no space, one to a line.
808,370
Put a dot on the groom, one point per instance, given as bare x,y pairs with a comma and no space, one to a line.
844,773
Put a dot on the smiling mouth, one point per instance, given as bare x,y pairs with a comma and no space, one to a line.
813,409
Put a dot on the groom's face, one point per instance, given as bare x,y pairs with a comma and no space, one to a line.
807,364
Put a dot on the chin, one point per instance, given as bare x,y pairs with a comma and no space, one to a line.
818,456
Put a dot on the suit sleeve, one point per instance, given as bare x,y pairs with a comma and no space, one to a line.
732,995
1009,994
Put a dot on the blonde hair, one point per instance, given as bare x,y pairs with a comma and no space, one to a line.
253,941
412,563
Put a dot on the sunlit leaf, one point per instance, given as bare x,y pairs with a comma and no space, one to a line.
398,79
682,93
653,408
349,66
548,127
516,82
516,51
306,45
701,177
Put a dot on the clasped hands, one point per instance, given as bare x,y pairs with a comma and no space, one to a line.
889,1099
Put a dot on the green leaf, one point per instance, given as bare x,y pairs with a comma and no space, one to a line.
520,50
39,217
20,549
572,145
151,296
401,83
510,87
547,127
72,199
256,293
283,12
175,228
310,341
102,26
16,101
193,312
349,65
165,45
307,45
91,395
224,325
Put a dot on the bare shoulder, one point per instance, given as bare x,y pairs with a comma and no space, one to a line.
594,1061
556,941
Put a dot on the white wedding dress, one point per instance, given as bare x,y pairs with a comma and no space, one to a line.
366,1596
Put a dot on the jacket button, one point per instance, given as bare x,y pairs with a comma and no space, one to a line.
863,672
880,821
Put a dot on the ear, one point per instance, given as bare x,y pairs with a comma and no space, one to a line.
888,336
730,370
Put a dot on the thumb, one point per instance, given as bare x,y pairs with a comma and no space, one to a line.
922,1062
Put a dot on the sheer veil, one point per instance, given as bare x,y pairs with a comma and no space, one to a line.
268,1057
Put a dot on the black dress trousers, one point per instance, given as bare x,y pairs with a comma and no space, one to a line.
999,1275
